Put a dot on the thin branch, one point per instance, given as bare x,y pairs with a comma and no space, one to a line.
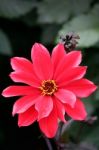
66,126
48,143
58,135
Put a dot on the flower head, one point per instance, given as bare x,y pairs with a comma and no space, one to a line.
70,41
52,86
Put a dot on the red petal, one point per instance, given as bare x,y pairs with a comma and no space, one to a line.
28,117
57,54
21,64
81,88
25,78
17,91
41,61
72,59
78,112
24,103
70,75
66,97
59,109
44,106
49,124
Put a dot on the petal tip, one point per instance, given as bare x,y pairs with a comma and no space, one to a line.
95,87
64,121
3,93
36,44
19,125
10,75
84,68
13,111
13,114
84,117
11,60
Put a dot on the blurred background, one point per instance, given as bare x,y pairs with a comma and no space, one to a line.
24,22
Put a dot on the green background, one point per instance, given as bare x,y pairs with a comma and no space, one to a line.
24,22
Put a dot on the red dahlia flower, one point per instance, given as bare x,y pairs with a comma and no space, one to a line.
54,87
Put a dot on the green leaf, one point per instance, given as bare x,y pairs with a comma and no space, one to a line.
54,11
89,105
49,33
16,8
87,26
51,11
5,46
89,37
30,18
97,95
79,6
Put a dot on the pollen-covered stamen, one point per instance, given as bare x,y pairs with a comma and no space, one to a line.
48,87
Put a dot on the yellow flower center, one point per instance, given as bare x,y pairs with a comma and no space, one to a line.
48,87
